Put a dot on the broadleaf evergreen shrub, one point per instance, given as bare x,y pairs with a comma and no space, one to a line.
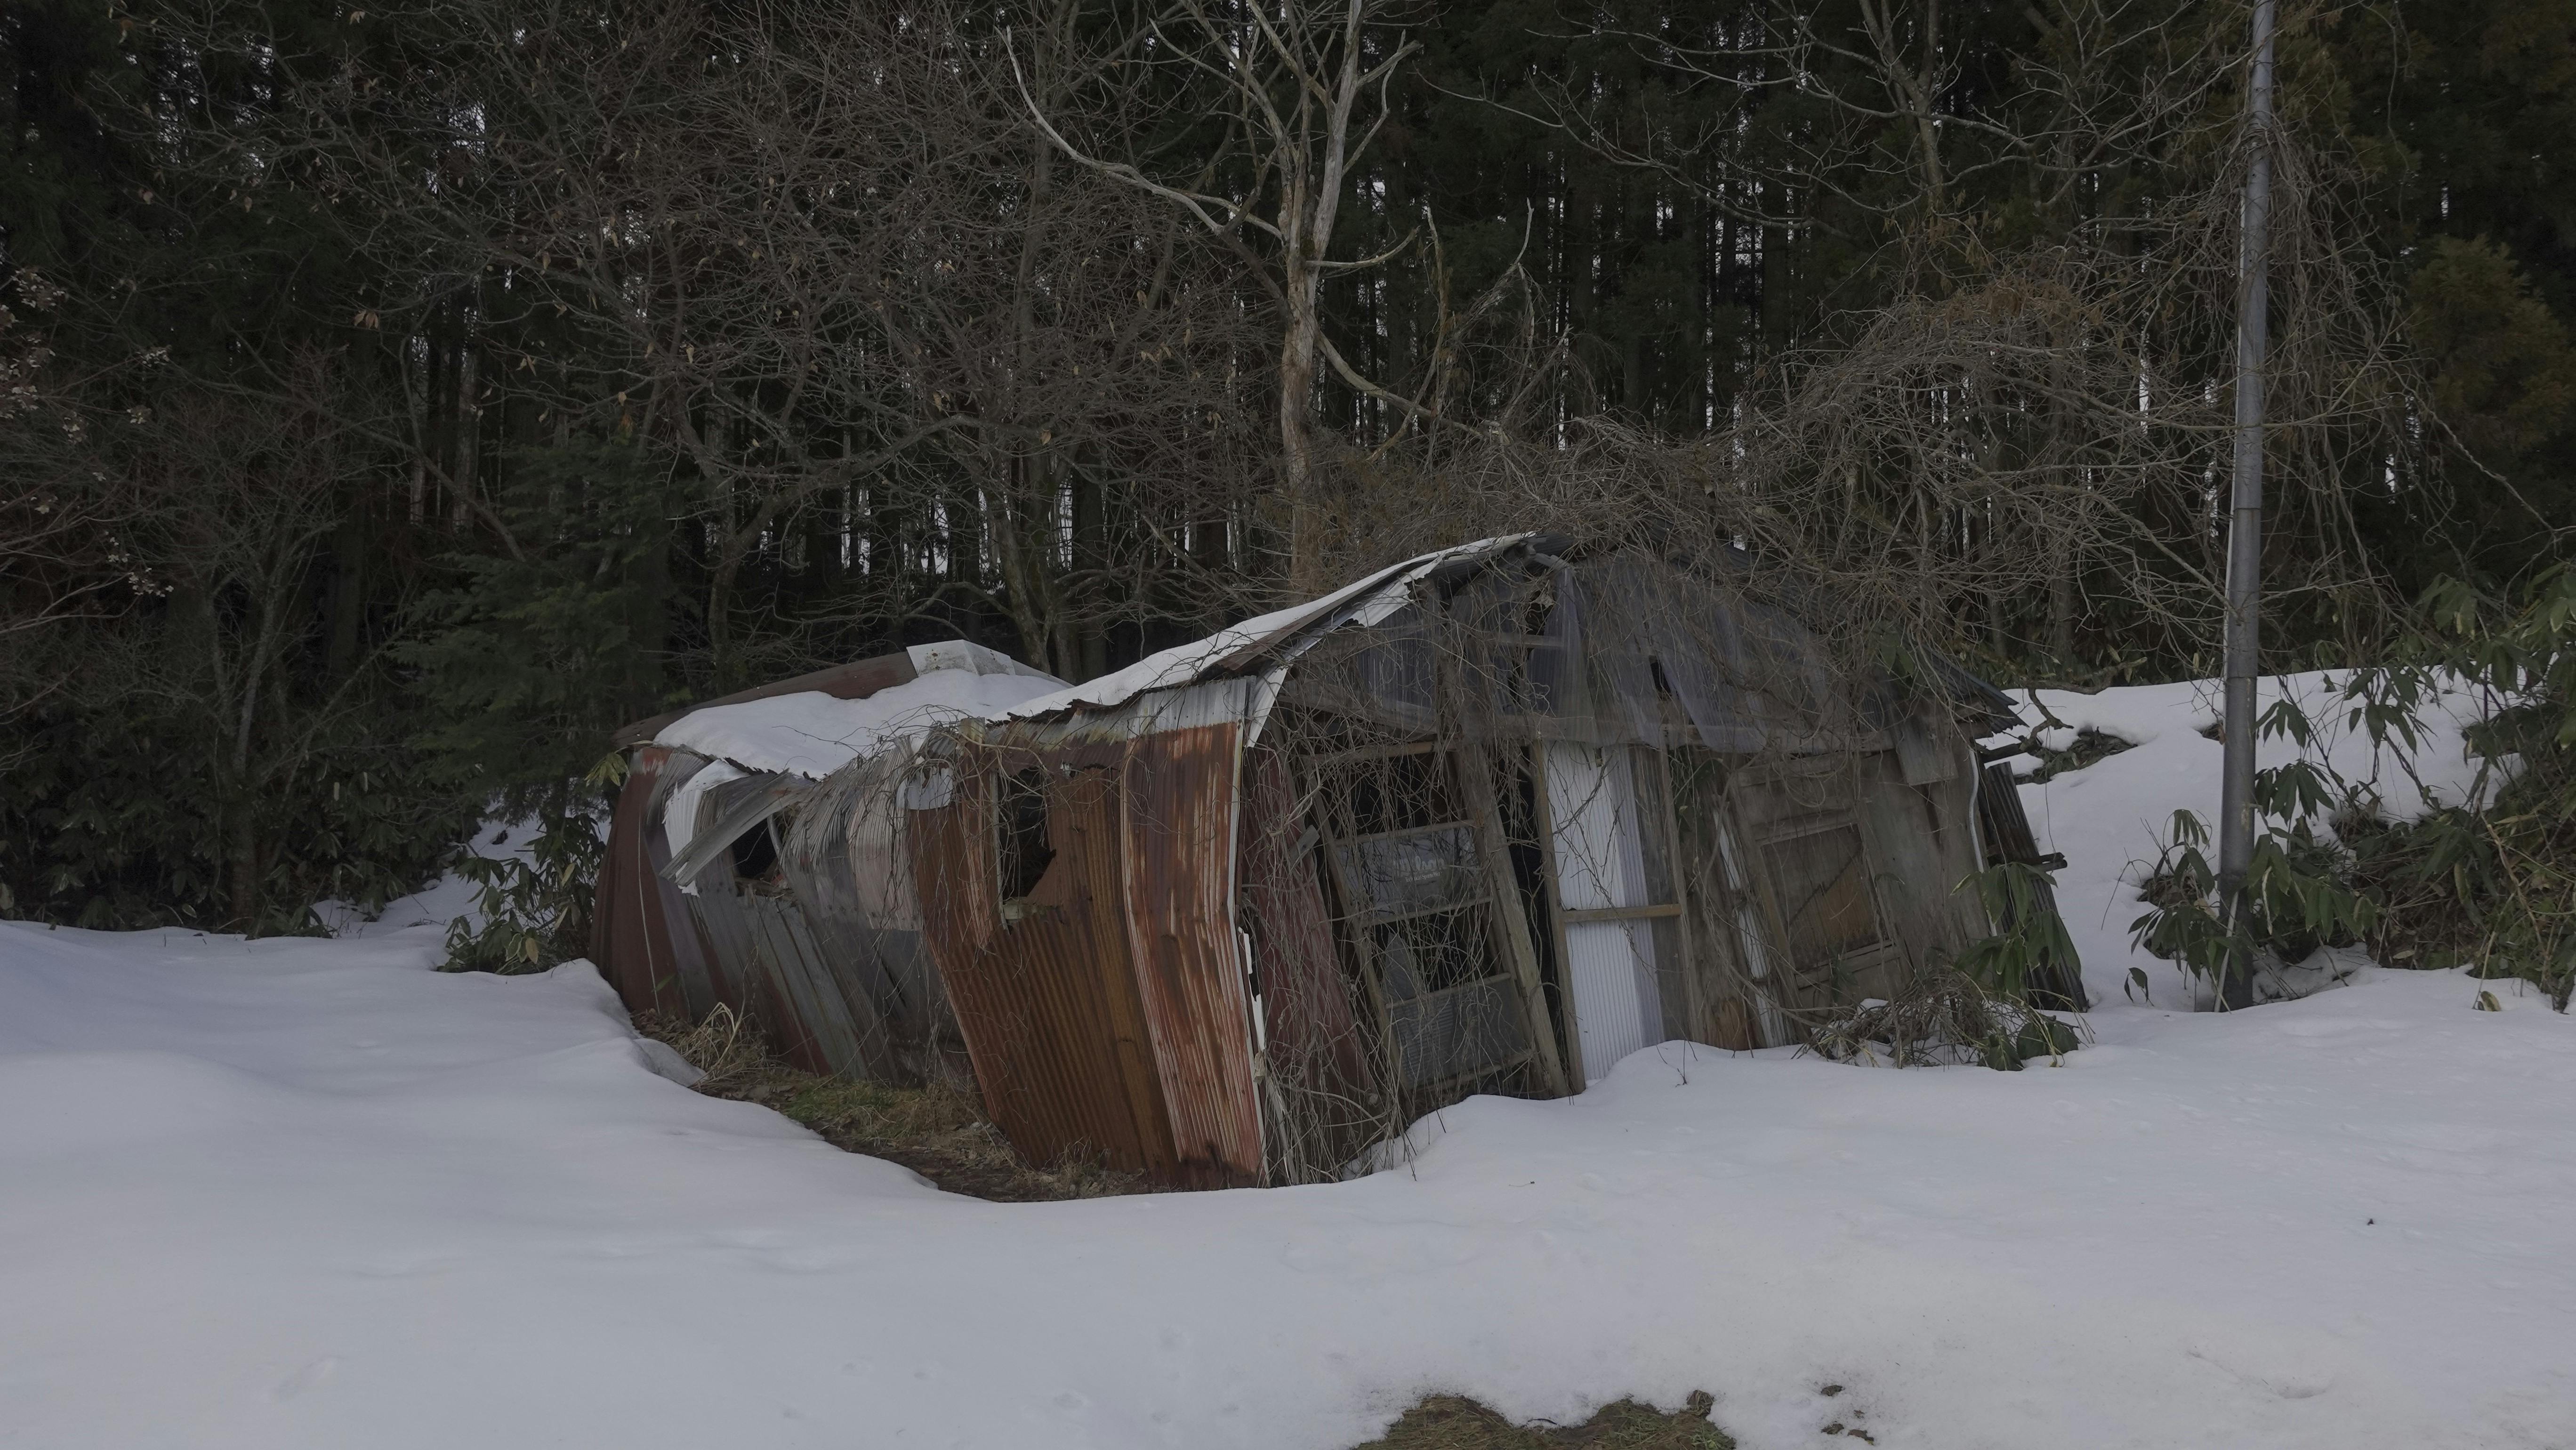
2299,889
2489,882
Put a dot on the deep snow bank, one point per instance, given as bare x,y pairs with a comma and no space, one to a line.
2109,819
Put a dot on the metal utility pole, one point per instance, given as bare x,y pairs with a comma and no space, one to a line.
2245,525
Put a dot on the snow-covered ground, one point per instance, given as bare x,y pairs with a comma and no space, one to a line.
2109,820
308,1193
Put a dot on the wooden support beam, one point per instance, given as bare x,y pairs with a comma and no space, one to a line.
1696,1014
1622,913
1482,779
1550,875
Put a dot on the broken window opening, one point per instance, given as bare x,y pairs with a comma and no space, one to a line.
1026,851
755,855
1821,878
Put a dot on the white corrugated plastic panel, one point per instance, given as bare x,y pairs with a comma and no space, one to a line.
1600,863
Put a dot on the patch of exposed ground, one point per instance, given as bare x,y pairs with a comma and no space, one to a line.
1454,1422
940,1133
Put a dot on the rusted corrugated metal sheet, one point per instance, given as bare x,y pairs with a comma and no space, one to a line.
774,989
836,1030
641,936
843,854
1108,1013
1180,789
817,1007
1047,1003
742,982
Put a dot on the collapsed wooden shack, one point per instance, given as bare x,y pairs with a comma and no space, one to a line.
702,903
1487,821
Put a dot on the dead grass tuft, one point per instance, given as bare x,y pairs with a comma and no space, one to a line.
940,1133
725,1047
1454,1422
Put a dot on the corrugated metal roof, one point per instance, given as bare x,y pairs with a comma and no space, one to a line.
1272,638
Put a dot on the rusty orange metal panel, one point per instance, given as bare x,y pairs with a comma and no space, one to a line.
1047,1003
1108,1014
1179,853
641,936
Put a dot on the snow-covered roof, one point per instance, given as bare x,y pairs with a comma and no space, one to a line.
810,733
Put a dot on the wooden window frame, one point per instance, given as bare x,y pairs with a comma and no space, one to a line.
1499,903
1885,942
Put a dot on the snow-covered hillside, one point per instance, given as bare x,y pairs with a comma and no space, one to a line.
309,1193
2108,820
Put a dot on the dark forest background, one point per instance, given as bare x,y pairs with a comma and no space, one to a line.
398,400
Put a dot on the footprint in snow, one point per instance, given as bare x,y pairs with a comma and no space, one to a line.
312,1376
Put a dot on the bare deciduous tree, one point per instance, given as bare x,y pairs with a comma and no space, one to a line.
815,260
1303,89
61,561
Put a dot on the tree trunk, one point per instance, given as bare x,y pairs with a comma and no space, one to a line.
2061,608
1296,441
469,434
1089,655
241,866
348,588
